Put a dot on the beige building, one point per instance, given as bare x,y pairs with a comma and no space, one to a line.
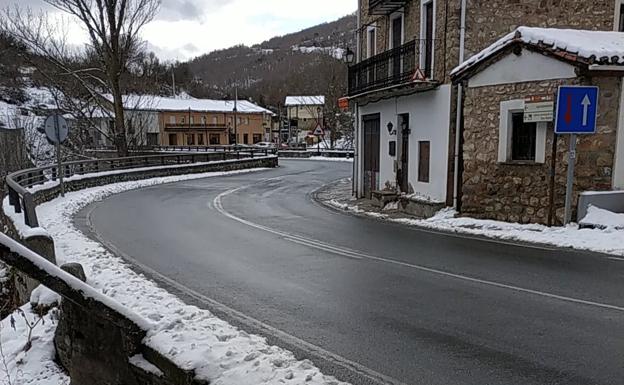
155,120
304,114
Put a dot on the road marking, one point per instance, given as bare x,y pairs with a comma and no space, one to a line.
335,359
217,202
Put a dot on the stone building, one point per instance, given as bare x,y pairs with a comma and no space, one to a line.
402,91
514,170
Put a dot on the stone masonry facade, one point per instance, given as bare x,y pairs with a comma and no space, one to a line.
518,192
486,22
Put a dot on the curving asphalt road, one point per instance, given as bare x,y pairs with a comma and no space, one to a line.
369,301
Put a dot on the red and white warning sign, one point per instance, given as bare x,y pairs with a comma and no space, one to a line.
419,76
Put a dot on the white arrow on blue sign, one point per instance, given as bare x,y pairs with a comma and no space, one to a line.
577,110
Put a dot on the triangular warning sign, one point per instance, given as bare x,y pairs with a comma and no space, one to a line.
419,76
318,131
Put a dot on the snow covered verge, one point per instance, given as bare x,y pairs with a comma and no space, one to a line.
608,239
191,337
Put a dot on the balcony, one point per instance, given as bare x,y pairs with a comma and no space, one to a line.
195,126
397,67
385,7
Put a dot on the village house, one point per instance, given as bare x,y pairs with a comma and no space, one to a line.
304,114
403,96
514,165
165,121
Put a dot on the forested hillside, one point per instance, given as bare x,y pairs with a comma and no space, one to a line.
305,62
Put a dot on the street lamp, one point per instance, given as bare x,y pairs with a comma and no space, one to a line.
349,56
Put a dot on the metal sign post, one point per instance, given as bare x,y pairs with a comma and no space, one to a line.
570,179
57,130
577,111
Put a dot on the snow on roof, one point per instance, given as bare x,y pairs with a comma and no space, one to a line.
160,103
305,100
599,45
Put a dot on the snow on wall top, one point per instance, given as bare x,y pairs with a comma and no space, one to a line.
305,100
160,103
583,43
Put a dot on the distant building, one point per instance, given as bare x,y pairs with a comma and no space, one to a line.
304,114
155,120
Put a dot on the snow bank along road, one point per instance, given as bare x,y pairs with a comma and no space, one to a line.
400,304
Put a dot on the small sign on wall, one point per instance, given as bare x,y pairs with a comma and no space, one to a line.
539,108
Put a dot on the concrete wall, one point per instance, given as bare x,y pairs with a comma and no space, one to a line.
42,196
526,67
429,119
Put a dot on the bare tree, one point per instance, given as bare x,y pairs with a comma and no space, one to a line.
113,28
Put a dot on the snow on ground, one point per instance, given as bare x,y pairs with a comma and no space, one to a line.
602,218
34,366
608,240
190,336
330,159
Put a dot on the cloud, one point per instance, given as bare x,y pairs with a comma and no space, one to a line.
174,10
187,28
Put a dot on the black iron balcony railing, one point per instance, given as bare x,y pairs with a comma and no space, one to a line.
385,7
410,62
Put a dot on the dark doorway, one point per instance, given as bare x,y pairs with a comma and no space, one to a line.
371,153
404,155
397,40
173,139
428,37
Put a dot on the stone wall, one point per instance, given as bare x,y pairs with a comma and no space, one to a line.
520,192
489,20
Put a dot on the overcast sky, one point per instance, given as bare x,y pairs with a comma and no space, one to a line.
188,28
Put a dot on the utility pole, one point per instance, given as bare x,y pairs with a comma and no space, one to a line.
173,81
235,115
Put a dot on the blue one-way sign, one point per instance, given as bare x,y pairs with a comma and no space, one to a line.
577,108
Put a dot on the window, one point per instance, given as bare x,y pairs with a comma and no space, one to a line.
424,154
200,139
427,28
523,138
214,139
191,119
519,141
396,31
257,138
204,120
214,120
238,120
152,139
619,16
245,138
190,139
172,120
371,41
182,119
247,121
173,139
